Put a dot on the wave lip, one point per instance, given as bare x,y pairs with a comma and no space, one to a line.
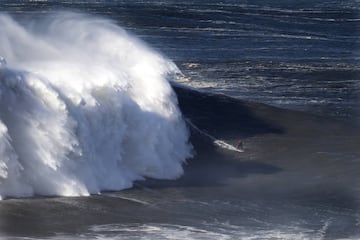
84,107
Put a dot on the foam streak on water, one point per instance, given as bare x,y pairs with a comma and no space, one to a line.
84,107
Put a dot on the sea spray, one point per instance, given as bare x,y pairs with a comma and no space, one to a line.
84,107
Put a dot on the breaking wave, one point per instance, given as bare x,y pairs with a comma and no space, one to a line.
84,107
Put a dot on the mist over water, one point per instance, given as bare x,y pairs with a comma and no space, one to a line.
84,107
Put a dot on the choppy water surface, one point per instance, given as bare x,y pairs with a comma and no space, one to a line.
299,175
293,54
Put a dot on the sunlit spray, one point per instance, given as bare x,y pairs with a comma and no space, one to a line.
84,107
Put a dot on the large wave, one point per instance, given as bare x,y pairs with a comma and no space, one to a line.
84,107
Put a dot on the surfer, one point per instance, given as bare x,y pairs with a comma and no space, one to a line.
239,145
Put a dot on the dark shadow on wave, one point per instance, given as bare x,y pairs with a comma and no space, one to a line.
211,167
221,115
224,118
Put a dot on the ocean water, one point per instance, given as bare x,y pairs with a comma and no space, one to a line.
169,120
292,54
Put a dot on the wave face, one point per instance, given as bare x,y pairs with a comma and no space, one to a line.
84,107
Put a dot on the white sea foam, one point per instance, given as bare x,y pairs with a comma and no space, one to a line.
220,231
84,107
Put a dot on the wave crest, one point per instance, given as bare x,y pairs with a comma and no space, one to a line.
84,107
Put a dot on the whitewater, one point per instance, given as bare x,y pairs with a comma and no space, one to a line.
84,107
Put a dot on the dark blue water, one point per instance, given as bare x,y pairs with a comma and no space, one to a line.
290,31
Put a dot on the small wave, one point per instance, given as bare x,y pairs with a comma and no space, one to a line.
84,107
218,231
